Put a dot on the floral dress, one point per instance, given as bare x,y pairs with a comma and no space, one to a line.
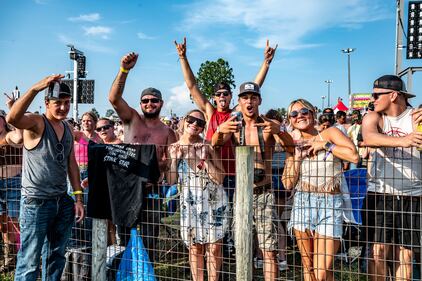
203,207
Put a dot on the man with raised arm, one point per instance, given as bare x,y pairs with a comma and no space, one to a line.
219,114
257,131
145,128
139,128
47,211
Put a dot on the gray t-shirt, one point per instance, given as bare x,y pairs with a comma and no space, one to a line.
45,166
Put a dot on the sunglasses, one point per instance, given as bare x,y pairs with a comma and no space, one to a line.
295,113
105,128
199,122
218,94
60,152
153,100
377,95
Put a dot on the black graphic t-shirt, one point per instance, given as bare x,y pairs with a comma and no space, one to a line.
117,176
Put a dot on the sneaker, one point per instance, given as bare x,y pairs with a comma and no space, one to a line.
282,265
258,263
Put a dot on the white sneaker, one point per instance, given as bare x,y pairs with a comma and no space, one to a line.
282,265
258,263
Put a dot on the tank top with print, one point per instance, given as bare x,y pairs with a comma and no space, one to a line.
396,170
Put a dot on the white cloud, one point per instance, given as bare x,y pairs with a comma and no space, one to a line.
88,17
85,45
143,36
179,101
102,31
284,22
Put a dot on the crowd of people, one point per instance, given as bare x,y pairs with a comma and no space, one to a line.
299,162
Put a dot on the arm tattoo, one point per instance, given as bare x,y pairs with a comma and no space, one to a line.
121,86
119,83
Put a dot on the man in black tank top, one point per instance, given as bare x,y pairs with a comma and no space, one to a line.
47,211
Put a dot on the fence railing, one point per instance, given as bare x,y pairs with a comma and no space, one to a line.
98,250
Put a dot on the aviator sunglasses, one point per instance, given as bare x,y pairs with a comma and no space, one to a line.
199,122
295,113
105,128
153,100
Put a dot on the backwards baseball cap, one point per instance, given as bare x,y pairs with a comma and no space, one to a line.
222,86
57,90
249,87
153,92
392,82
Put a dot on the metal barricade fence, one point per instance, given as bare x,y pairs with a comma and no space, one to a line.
196,228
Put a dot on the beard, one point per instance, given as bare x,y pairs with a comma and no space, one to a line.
152,115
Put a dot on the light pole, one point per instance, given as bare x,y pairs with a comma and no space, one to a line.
348,51
328,95
75,54
322,107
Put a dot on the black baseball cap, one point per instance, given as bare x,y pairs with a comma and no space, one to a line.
392,82
153,92
57,90
222,86
249,87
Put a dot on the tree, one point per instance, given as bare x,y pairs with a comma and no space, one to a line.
282,111
93,110
109,113
213,72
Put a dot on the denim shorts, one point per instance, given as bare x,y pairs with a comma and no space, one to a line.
10,196
318,212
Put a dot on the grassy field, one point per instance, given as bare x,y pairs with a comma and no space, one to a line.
178,269
173,263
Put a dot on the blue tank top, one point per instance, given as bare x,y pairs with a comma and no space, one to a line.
45,166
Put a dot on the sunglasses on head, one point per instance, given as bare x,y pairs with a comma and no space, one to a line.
377,95
218,94
105,127
153,100
199,122
295,113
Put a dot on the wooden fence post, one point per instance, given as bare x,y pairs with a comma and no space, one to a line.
99,249
243,212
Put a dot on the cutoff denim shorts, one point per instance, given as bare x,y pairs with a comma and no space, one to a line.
318,212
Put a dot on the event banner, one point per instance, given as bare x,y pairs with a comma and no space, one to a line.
360,101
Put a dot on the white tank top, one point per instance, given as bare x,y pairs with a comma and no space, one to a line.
396,170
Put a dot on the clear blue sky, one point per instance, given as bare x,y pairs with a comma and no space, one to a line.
310,35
